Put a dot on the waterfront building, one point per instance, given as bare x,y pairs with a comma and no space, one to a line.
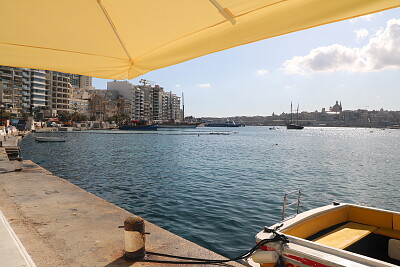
151,99
80,81
137,104
148,102
170,107
141,98
59,92
79,102
41,92
14,90
129,92
38,88
102,108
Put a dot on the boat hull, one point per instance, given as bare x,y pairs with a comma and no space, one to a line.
179,125
49,139
151,127
221,125
294,126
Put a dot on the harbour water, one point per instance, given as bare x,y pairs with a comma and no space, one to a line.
218,187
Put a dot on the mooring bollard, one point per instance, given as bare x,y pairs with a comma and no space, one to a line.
134,238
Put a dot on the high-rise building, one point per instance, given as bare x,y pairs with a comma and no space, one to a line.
85,81
170,107
59,92
38,88
25,90
14,89
130,92
149,102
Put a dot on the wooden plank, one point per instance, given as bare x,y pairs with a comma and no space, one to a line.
345,235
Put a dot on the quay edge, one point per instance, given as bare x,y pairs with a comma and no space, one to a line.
61,224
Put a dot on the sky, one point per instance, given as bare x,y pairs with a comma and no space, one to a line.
355,61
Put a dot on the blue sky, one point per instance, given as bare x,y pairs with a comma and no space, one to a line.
355,61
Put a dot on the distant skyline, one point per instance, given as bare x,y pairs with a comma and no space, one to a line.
355,61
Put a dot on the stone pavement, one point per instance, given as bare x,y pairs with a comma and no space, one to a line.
5,164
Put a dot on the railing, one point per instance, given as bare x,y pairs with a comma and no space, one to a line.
296,202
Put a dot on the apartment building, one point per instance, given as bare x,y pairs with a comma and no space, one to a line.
79,102
14,89
38,89
132,94
170,107
59,92
31,91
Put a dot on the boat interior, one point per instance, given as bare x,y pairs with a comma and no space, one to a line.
366,231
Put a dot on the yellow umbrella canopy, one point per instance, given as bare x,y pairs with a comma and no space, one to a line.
123,39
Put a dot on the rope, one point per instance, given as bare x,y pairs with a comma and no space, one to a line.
277,237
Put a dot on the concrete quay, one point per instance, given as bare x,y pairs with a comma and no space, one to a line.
60,224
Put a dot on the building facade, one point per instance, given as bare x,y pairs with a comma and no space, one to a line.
31,91
148,102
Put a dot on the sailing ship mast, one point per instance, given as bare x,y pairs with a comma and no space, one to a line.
183,108
291,112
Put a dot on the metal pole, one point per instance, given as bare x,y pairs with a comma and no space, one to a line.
283,208
298,202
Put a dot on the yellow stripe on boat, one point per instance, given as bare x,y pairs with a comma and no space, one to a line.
345,235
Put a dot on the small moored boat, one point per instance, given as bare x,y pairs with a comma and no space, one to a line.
49,139
333,235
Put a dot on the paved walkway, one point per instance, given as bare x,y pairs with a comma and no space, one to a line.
12,252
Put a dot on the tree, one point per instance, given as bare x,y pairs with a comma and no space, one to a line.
64,116
80,117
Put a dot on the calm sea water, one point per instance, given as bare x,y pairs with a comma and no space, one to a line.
220,190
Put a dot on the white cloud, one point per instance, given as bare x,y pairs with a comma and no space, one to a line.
368,18
382,52
361,33
262,72
204,85
288,86
177,85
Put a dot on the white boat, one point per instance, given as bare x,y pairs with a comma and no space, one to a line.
333,235
49,139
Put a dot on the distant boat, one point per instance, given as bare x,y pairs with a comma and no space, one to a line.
172,125
223,124
138,126
292,125
49,139
150,127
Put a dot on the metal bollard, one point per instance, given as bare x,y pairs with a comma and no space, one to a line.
134,238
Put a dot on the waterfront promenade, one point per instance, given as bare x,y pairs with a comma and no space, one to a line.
60,224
